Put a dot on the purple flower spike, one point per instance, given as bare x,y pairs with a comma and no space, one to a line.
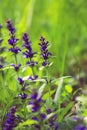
10,27
10,120
35,101
12,40
29,52
45,54
80,127
25,37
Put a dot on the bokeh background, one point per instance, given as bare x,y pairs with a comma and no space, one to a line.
62,22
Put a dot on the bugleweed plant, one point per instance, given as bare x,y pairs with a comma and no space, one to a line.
39,101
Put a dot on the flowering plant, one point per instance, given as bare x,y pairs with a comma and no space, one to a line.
39,101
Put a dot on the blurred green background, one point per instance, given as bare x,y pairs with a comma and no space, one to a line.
62,22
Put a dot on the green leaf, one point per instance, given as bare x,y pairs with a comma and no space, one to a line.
12,86
57,80
27,70
40,80
68,88
47,95
58,92
65,110
41,89
27,122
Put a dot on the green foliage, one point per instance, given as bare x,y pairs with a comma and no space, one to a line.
64,24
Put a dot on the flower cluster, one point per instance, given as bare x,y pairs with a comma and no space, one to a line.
29,52
52,121
22,95
45,54
35,105
11,120
40,115
40,119
80,127
12,42
35,102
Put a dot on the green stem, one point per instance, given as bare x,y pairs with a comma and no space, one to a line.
16,63
48,81
64,56
32,68
15,59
